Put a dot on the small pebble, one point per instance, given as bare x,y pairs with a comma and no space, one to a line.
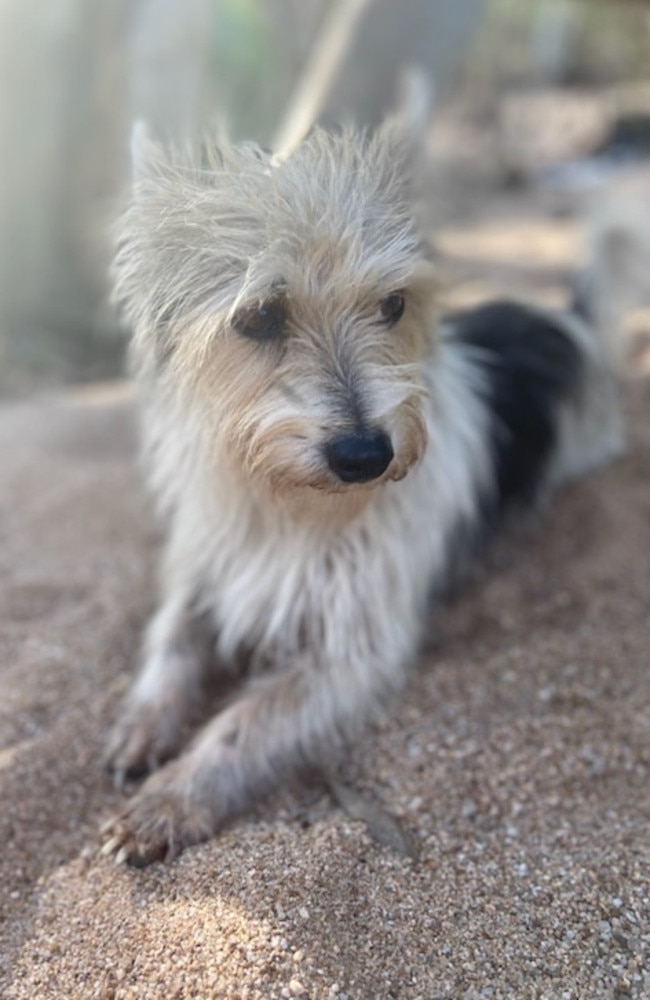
605,930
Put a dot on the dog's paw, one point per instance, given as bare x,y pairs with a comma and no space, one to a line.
158,822
142,740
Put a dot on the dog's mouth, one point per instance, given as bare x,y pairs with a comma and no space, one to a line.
353,463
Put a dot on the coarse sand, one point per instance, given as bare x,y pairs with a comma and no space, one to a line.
518,760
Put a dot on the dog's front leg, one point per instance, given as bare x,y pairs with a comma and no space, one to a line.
163,701
280,726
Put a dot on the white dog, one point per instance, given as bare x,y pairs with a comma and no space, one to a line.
323,449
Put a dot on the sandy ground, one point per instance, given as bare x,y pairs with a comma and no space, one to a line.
518,759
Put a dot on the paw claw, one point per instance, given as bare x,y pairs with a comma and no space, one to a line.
107,825
157,823
142,740
122,856
111,845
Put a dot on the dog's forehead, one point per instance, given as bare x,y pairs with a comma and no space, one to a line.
327,218
333,260
328,192
333,217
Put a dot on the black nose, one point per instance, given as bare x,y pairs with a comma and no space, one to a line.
360,457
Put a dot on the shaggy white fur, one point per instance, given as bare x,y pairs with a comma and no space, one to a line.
277,306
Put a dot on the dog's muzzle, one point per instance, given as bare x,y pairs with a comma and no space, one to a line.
359,457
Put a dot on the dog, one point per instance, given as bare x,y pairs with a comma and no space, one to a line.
324,448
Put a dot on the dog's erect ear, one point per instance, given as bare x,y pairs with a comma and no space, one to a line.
415,101
148,159
401,137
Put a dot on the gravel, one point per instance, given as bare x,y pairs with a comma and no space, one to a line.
517,761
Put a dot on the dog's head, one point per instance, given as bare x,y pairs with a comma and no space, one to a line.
290,303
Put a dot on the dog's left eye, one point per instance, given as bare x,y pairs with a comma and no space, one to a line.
264,323
391,308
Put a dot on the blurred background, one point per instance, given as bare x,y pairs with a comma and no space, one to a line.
536,103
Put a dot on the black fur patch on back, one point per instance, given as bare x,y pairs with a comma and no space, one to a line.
530,365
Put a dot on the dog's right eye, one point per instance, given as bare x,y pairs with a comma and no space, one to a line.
266,322
391,309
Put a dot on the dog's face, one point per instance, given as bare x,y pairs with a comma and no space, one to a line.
290,302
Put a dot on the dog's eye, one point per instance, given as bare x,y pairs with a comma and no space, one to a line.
391,308
264,323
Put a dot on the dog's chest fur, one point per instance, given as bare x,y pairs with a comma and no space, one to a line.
279,582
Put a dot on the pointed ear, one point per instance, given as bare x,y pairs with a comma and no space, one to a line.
405,126
400,141
148,159
415,101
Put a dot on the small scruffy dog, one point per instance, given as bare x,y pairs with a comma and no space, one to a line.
323,449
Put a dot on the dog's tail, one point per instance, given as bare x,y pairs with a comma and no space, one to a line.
616,275
615,279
